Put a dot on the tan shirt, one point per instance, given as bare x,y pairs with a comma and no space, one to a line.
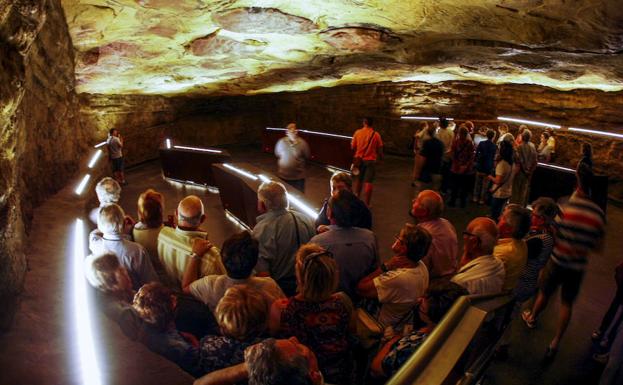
514,255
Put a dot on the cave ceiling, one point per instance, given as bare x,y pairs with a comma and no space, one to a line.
222,47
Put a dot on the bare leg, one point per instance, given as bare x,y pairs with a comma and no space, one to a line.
539,304
563,322
357,186
367,193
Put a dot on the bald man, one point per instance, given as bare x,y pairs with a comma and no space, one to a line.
480,272
441,259
175,245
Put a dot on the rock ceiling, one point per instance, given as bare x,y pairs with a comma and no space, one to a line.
246,47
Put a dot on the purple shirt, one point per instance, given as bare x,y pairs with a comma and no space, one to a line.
442,255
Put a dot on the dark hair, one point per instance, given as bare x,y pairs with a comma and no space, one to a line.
150,208
519,219
587,150
546,207
490,134
546,134
342,208
441,295
111,131
368,120
417,240
154,304
268,366
443,122
506,151
239,255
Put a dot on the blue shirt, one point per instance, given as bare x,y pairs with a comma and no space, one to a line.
485,156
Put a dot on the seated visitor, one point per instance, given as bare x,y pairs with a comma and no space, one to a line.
239,256
109,237
354,249
175,244
479,271
511,249
361,213
155,305
242,318
280,232
108,191
105,273
316,315
150,222
432,307
441,259
401,280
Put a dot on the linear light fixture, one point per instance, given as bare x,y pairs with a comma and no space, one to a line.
530,122
88,363
95,158
406,117
236,220
240,171
198,149
99,145
302,206
312,132
335,170
82,184
213,190
263,178
596,132
168,142
556,167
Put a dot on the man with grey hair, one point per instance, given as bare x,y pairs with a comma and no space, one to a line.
511,249
108,191
480,272
525,165
175,245
109,237
280,232
292,153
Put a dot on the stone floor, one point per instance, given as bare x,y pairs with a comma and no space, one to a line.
41,348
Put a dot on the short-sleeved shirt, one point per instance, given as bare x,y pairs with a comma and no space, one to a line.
446,136
398,291
432,150
482,275
292,157
527,157
485,156
506,171
441,259
211,288
360,141
114,147
514,254
540,245
462,156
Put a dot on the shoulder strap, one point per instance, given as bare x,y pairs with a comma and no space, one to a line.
369,141
296,227
497,187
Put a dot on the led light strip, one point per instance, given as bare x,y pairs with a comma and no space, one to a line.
555,167
312,132
88,363
335,170
596,132
302,206
198,149
82,184
263,178
99,145
236,220
240,171
531,122
168,142
95,158
422,118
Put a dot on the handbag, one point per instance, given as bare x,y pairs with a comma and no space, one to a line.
355,167
367,329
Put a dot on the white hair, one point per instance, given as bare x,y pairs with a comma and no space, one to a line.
108,191
110,219
273,195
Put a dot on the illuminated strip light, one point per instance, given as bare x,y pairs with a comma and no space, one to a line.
596,132
530,122
198,149
556,167
168,142
335,170
264,178
100,145
95,158
89,367
302,206
422,118
313,132
213,190
83,184
240,171
236,220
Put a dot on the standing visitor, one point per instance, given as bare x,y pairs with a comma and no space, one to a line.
524,168
368,147
115,153
485,158
503,180
292,153
462,162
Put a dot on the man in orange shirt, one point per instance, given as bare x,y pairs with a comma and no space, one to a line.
368,146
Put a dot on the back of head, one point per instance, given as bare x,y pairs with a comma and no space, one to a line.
368,121
108,191
341,208
441,295
154,304
190,212
112,131
342,177
239,255
273,195
316,273
463,131
417,240
526,135
503,128
506,151
487,232
151,208
268,366
443,122
111,219
105,273
547,208
490,134
518,218
242,313
432,202
431,131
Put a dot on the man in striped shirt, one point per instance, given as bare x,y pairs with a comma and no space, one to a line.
579,232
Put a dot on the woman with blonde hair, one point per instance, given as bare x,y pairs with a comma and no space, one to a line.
150,207
316,315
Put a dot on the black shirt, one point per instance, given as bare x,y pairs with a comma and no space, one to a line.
362,215
432,150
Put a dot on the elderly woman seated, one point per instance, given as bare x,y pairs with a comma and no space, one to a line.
108,191
150,221
317,316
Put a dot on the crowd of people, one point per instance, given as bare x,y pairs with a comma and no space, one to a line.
282,304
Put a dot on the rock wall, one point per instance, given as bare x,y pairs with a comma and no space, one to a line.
40,134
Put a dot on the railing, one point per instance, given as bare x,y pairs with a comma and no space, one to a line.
461,346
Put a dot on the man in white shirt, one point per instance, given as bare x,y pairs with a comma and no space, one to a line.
292,153
115,153
480,272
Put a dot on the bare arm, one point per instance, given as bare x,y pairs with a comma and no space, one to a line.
227,376
191,274
419,164
366,287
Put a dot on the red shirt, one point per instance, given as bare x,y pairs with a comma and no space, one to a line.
360,141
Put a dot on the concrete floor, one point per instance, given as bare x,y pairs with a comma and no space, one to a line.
41,348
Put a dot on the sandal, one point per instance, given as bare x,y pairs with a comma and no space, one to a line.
526,316
550,352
